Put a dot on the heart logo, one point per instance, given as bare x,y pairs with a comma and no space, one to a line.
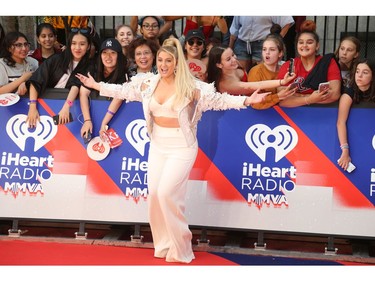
19,132
194,67
260,137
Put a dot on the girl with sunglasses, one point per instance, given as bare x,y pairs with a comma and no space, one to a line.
59,71
16,67
195,53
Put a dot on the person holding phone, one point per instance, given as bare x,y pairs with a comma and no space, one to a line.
111,68
362,90
228,76
58,71
311,69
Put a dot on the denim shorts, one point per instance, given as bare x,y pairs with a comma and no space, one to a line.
248,50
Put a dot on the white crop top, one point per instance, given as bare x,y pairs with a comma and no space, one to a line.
163,110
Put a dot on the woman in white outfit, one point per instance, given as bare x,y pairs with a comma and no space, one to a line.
173,102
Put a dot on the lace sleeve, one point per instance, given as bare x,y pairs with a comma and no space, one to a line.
130,91
210,99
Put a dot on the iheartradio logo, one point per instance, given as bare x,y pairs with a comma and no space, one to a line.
136,134
17,129
282,138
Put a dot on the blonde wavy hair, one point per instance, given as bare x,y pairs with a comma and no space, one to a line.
184,80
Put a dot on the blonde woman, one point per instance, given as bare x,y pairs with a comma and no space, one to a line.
173,102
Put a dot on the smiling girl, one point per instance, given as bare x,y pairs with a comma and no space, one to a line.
173,102
58,71
15,66
311,69
47,42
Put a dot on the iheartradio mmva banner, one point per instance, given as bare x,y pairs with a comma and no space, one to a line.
272,169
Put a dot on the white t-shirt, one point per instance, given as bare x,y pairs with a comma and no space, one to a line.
8,73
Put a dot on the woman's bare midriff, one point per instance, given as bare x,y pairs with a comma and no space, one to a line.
166,122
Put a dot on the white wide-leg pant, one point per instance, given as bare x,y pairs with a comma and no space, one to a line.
169,164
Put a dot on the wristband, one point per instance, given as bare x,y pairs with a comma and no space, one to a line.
32,101
280,82
110,112
306,101
344,146
70,103
87,120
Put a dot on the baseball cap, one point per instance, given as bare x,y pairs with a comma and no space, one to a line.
195,33
111,43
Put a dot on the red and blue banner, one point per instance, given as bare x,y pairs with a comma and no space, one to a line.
273,169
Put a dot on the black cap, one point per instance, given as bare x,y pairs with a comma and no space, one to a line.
195,33
111,43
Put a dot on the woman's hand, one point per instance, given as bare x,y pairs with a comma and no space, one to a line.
287,92
22,90
86,128
287,78
26,76
102,132
317,97
32,116
344,159
64,115
256,97
88,81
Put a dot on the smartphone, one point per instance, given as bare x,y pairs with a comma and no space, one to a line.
87,137
350,168
56,119
293,85
323,86
291,66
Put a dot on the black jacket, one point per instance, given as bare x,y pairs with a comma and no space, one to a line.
50,72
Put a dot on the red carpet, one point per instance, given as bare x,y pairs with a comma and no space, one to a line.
16,252
63,261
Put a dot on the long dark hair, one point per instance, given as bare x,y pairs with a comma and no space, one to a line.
46,25
214,73
368,95
2,35
67,56
118,76
9,39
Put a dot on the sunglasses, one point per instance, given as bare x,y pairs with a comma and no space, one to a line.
196,41
80,30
